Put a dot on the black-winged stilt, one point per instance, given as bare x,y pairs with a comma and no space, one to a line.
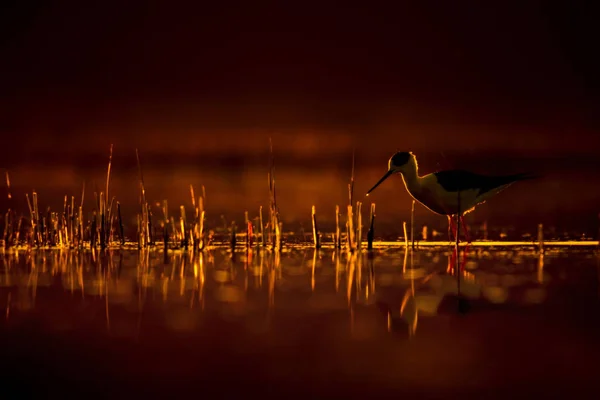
448,192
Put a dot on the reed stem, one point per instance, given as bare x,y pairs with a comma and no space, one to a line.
338,233
316,240
541,238
350,229
121,229
371,232
262,227
183,222
359,226
248,231
233,239
201,237
412,225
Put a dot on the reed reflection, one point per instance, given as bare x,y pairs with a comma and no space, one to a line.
139,285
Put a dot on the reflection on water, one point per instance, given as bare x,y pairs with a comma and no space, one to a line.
389,290
300,321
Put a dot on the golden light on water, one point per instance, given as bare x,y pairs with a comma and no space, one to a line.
184,281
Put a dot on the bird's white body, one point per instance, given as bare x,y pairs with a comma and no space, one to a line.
427,191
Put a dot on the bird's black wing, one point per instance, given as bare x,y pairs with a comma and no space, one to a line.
457,180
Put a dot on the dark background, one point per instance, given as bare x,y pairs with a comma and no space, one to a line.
199,88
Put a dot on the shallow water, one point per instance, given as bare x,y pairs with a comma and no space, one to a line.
308,322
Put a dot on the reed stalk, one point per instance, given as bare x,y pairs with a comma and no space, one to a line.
412,225
233,238
102,222
204,239
541,238
106,217
9,218
183,223
350,218
248,231
165,224
262,227
201,236
49,228
359,226
278,235
71,222
53,223
81,228
338,234
173,228
38,234
93,232
121,229
144,224
350,229
149,225
111,222
316,240
371,232
64,225
80,222
194,229
19,225
32,219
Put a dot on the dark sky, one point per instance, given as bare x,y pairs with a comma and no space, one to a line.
219,77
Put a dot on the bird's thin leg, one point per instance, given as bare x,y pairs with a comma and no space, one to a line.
468,246
466,230
467,236
451,229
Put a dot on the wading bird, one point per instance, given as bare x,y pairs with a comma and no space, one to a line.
449,192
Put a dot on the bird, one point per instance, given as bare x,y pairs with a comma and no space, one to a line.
449,192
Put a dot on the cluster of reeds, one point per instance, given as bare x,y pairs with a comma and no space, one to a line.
354,224
266,235
66,229
104,227
185,234
257,233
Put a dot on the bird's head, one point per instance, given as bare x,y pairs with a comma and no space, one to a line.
398,163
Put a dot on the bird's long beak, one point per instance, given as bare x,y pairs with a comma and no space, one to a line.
387,175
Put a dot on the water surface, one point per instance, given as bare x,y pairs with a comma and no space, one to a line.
308,322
